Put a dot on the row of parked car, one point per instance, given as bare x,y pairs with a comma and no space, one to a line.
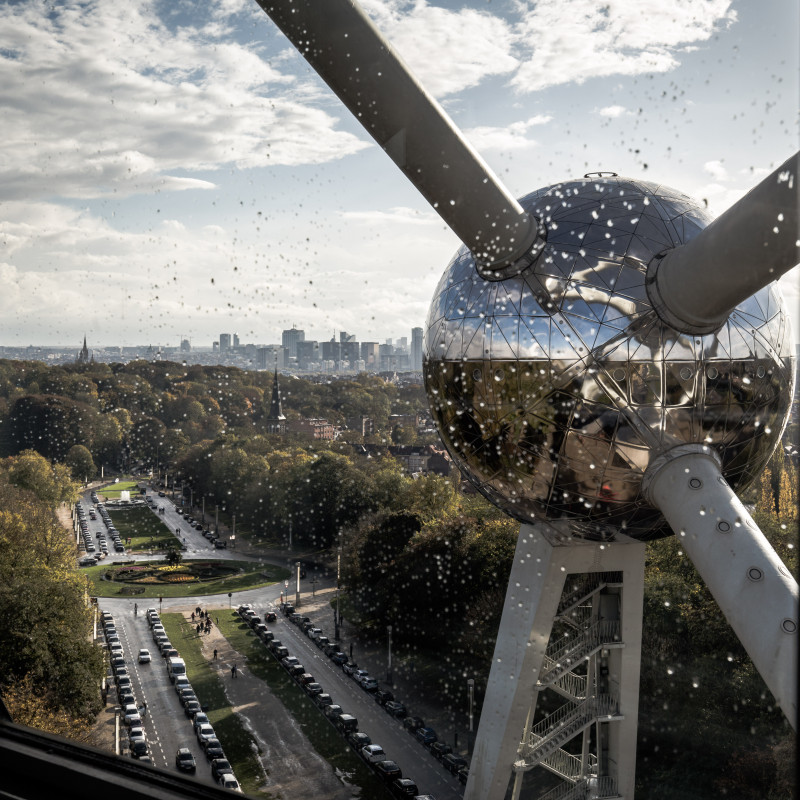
424,734
374,755
102,544
130,709
221,769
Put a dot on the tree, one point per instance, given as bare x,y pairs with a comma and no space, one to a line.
50,483
80,462
174,556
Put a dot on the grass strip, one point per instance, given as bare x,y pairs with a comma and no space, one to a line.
145,530
324,738
113,490
240,747
252,576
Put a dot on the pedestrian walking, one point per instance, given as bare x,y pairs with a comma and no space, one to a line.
135,609
217,620
351,651
197,629
233,671
192,616
215,654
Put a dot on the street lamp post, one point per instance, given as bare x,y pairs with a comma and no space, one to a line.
471,693
389,664
216,518
297,587
203,518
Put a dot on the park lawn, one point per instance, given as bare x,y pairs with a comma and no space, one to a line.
240,747
324,738
145,530
113,490
254,576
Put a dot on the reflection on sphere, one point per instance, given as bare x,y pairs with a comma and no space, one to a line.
553,390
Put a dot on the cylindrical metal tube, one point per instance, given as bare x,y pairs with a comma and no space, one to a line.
751,585
694,287
358,64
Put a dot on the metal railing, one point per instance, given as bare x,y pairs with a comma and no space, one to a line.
561,656
585,789
585,587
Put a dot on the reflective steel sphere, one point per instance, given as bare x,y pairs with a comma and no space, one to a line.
554,390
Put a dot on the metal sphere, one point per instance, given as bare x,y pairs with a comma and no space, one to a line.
553,390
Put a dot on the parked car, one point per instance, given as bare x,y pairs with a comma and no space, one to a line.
395,709
426,736
323,699
304,678
358,675
192,707
200,719
346,723
403,787
372,753
412,723
132,715
463,775
144,657
204,732
313,688
440,749
358,740
333,711
349,668
184,760
339,658
388,770
220,767
382,696
453,763
138,747
229,782
370,685
213,748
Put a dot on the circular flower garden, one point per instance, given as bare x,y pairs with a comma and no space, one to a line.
159,574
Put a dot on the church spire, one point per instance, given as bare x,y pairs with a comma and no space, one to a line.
83,355
276,421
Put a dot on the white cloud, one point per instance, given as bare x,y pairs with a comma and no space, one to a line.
716,170
613,111
447,50
575,40
400,215
509,137
106,98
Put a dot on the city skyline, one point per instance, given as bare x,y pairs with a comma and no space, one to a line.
220,184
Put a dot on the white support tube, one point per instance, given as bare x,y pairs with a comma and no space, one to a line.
751,585
695,287
360,66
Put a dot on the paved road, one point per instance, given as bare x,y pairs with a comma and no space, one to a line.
166,726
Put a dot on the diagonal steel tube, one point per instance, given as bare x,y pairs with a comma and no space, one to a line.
694,287
360,66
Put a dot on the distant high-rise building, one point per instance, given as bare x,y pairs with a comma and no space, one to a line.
369,355
186,346
235,339
402,343
289,340
331,351
307,353
416,349
224,342
344,336
350,351
270,356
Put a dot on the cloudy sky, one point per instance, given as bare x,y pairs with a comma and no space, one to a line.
173,169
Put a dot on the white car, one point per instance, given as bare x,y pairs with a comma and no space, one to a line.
373,753
144,657
205,732
227,781
132,716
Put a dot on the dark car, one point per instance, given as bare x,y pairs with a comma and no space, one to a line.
358,739
220,766
288,609
323,699
382,696
387,770
304,678
270,616
463,775
192,707
395,709
126,698
339,658
403,787
313,688
426,736
138,747
440,749
453,763
213,749
184,760
296,671
412,723
266,636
